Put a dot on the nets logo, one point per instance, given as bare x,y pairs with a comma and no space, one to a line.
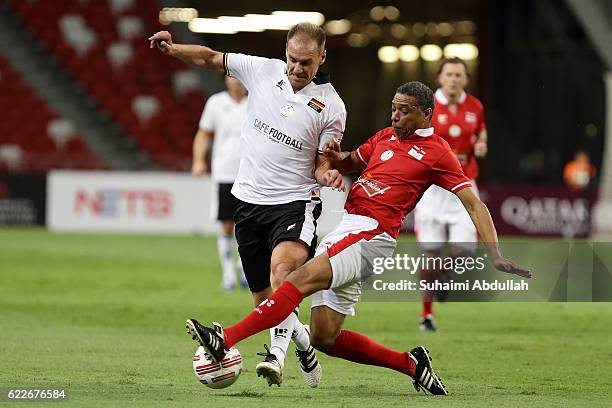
115,203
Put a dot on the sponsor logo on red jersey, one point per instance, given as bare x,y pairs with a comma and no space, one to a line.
370,186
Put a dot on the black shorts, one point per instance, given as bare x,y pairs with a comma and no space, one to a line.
259,228
226,202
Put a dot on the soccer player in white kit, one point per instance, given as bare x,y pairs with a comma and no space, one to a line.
399,163
439,216
292,112
218,139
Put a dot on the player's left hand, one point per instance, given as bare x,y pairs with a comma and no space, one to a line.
505,265
163,41
333,179
480,149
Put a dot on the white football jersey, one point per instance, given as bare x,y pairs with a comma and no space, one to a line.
224,117
283,130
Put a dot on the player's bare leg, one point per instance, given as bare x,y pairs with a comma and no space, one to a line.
427,296
225,247
288,256
228,229
325,326
259,297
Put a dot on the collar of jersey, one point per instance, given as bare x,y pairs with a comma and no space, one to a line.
320,78
424,132
444,100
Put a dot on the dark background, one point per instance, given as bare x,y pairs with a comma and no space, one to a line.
537,75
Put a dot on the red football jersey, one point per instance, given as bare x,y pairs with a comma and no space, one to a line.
460,129
397,174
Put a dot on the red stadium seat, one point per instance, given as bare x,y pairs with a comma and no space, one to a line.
25,118
148,73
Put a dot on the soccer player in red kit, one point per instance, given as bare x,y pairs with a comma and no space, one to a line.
439,216
400,162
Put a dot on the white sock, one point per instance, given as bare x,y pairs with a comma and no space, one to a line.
300,336
280,336
226,256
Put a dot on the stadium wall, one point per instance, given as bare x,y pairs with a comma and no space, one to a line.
177,203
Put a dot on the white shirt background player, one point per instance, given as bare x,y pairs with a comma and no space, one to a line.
219,132
224,116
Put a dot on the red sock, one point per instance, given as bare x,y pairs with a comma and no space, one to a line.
358,348
271,312
427,308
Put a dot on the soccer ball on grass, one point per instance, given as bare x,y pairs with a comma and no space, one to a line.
215,375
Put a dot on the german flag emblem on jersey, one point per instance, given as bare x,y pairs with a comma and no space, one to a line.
316,105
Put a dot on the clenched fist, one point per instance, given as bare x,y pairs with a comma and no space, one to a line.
163,41
333,179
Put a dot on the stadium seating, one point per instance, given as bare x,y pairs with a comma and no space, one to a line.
32,137
103,46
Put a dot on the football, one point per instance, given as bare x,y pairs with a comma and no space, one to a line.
215,375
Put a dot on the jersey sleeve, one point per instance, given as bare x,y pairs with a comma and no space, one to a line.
243,67
447,173
207,120
334,128
364,152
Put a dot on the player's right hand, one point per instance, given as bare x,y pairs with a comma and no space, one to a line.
480,149
506,265
199,168
162,40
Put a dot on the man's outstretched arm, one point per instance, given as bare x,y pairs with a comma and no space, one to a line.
196,55
481,218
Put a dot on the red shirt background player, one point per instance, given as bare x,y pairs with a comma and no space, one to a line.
459,117
440,217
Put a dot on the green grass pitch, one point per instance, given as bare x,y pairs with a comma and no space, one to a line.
103,315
